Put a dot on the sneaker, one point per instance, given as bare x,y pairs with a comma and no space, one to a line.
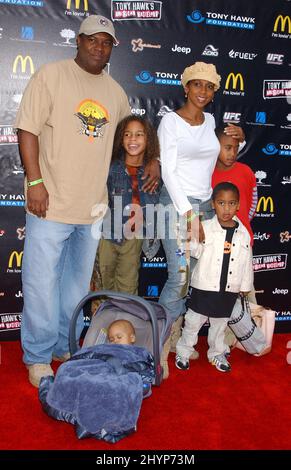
181,363
221,363
37,371
62,358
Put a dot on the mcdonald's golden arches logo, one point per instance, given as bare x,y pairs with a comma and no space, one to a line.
284,21
77,4
23,63
17,256
235,78
266,202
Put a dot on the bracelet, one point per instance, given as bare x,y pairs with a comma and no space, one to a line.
33,183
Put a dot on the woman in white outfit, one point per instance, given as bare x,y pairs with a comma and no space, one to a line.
189,150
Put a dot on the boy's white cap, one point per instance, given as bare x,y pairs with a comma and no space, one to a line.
97,24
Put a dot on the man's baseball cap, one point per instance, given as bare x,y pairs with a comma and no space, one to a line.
97,24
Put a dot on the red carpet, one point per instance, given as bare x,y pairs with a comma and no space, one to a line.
202,409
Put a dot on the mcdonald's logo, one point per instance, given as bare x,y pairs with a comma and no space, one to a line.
23,61
266,202
284,20
17,256
77,4
235,78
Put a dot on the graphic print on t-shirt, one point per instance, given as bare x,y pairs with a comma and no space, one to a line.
93,117
227,247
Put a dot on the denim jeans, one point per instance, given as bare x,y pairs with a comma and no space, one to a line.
57,266
171,296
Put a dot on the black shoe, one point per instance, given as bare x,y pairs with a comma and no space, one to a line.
182,364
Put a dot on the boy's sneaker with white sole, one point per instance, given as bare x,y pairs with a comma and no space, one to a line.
221,363
181,363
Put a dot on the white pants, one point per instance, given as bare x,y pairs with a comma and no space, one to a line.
193,323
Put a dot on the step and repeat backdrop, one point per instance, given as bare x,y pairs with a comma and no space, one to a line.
249,42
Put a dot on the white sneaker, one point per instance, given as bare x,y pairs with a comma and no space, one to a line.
37,371
181,363
221,363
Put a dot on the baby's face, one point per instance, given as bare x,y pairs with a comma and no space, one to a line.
120,335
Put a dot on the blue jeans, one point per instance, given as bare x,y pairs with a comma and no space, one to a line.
57,266
171,296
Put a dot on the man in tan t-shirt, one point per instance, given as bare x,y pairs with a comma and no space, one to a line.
66,121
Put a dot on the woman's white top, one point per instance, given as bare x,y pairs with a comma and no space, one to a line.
188,158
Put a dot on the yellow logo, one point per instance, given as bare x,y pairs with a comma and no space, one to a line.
93,117
283,21
235,79
23,61
77,4
265,201
15,255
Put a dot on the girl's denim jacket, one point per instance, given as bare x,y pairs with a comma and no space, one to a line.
119,185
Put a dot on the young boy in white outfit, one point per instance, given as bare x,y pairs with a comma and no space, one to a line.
223,270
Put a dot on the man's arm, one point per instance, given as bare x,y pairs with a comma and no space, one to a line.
37,195
152,174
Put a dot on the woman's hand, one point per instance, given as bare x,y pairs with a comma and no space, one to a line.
194,227
152,176
235,131
244,294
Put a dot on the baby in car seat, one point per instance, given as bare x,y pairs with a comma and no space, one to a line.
121,332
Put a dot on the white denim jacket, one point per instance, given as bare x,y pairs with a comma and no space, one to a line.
207,272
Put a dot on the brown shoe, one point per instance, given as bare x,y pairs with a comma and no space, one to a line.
62,358
37,371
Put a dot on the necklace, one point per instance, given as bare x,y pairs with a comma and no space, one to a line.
194,121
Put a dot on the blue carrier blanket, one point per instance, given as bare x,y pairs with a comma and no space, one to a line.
100,390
